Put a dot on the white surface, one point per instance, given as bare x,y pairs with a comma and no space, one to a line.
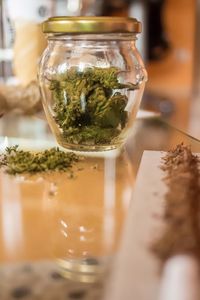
136,274
180,279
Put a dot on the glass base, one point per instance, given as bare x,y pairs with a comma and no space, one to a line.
87,148
86,270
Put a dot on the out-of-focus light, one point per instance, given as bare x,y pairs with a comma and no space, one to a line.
63,224
73,6
64,233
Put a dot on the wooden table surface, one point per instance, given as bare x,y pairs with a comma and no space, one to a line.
57,216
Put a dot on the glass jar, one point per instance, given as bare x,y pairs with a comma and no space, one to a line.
92,79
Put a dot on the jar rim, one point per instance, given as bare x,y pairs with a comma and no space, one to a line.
82,25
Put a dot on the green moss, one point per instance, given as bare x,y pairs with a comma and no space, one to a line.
87,106
16,161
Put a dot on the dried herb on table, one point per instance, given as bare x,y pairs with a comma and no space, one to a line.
16,161
88,105
182,211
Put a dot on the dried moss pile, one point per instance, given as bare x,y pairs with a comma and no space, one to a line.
15,161
182,211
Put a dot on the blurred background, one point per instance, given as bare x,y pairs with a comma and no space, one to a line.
169,45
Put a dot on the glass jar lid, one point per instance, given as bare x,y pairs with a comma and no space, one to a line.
81,25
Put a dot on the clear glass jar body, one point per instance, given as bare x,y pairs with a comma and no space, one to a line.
91,88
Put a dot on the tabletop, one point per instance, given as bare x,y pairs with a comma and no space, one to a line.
50,221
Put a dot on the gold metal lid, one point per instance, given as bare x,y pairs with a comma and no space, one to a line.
89,25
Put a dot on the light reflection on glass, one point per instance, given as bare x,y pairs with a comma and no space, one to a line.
63,223
83,238
71,251
11,217
109,201
126,197
4,144
64,233
84,229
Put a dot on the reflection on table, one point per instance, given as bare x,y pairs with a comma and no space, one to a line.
65,215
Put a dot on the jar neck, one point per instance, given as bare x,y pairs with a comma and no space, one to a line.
93,37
